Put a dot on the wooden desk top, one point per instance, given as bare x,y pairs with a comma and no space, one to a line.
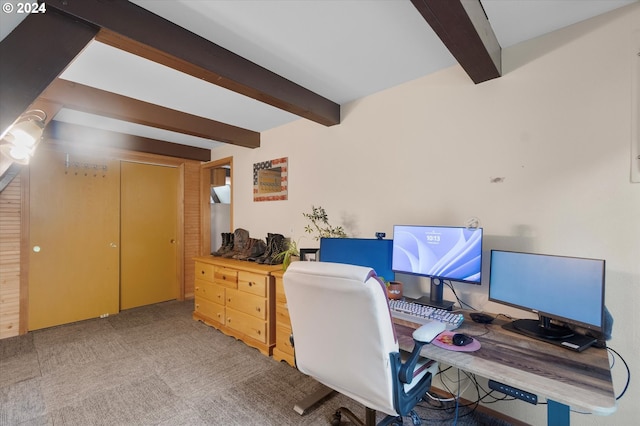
581,380
243,265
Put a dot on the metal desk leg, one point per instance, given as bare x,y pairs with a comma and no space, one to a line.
557,414
310,400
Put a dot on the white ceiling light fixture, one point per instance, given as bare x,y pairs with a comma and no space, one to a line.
21,139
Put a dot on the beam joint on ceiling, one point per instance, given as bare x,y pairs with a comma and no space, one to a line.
463,27
83,98
33,55
134,29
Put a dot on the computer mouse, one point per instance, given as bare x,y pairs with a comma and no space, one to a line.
460,339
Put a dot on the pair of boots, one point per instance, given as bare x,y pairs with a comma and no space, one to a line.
227,244
275,245
239,245
241,242
252,250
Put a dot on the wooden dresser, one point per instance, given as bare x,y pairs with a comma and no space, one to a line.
284,349
238,298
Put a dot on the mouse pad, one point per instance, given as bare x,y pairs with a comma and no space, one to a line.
444,340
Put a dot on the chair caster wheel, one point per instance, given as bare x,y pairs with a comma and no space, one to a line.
415,418
336,419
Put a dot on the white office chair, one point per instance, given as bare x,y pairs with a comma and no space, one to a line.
344,338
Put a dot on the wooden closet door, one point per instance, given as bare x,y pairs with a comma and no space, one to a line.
74,238
149,229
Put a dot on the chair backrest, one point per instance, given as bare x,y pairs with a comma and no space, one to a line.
342,330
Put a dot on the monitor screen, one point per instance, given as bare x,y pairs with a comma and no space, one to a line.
446,252
373,253
568,289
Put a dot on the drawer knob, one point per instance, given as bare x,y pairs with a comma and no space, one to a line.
202,272
258,309
251,283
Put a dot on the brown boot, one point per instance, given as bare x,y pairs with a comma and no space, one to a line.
253,250
227,244
277,246
241,242
267,252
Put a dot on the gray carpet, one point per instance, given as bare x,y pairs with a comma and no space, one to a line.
156,366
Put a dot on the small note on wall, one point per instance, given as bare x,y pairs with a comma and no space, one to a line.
271,180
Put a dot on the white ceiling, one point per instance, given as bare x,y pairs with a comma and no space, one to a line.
342,50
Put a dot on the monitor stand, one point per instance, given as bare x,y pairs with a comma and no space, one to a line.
435,299
542,330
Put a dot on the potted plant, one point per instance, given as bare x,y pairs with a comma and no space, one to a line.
394,290
320,225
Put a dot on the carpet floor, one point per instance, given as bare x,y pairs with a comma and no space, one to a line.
155,365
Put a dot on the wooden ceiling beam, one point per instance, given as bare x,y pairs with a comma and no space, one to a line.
95,101
33,55
63,133
138,31
31,59
463,27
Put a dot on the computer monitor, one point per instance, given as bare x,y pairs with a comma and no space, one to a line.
441,253
561,290
374,253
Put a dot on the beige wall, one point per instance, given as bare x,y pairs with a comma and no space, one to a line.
556,127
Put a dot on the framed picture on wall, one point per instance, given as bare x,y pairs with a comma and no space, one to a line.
271,180
310,255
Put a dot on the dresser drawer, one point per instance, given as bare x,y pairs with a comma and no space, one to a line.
209,291
249,304
281,298
209,309
247,324
252,283
204,271
282,315
226,277
238,298
282,339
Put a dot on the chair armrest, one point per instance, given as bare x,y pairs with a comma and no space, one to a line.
421,336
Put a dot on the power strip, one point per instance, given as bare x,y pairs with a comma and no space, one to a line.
514,392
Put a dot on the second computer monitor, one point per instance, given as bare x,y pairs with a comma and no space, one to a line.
374,253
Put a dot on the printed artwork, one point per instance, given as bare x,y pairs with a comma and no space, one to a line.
271,180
